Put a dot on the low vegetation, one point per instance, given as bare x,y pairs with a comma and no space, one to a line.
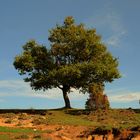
115,120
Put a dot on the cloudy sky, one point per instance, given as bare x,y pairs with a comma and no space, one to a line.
116,21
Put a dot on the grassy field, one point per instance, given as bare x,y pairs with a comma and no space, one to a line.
105,119
7,133
120,118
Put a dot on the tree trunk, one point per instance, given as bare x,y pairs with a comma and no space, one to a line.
66,99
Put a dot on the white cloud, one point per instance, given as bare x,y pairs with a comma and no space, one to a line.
124,96
2,100
12,84
115,38
108,20
20,88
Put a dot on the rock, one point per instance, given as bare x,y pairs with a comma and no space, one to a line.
109,137
136,137
89,137
97,137
65,138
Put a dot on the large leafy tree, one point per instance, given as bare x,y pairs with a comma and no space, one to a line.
76,59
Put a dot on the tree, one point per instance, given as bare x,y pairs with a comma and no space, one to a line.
97,100
76,59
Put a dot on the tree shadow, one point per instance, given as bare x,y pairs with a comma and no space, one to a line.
28,111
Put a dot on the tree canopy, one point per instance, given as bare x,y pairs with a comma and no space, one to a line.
76,58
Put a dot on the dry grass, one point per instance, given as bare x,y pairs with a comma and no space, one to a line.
99,120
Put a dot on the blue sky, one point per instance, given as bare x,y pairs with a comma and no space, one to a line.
116,21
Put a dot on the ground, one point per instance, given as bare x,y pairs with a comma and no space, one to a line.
72,124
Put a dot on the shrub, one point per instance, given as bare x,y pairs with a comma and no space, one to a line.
97,100
22,137
39,120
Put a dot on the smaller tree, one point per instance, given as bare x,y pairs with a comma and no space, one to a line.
97,100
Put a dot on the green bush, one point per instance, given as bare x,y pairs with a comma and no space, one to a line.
97,100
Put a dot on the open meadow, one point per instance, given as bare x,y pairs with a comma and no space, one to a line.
70,124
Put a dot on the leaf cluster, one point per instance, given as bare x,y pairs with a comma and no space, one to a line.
76,58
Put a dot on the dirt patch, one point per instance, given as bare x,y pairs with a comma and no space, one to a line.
45,127
39,122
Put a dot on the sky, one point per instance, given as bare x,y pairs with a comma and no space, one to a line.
117,21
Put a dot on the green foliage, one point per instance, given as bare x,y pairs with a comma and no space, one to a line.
97,100
62,117
15,130
22,137
4,137
36,62
39,120
77,58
